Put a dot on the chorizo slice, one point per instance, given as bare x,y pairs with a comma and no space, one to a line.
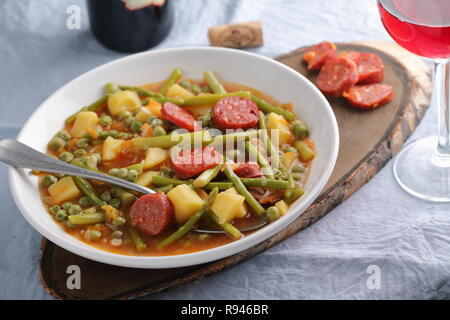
235,113
179,116
152,214
369,96
191,162
336,76
317,55
248,170
370,68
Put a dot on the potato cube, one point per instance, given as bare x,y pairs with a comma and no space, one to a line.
243,209
287,159
84,121
154,157
143,114
227,206
186,202
198,111
122,101
145,179
177,91
282,206
111,148
63,190
279,129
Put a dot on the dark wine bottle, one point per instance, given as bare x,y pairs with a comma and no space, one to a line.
121,29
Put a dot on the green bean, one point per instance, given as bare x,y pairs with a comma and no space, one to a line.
265,183
266,107
305,153
272,151
87,218
164,181
226,226
206,176
136,238
262,161
298,168
214,97
297,193
86,187
262,121
122,173
165,189
173,100
139,167
114,134
172,79
236,136
273,213
242,190
171,140
213,83
79,163
124,195
142,92
91,107
110,87
220,185
191,222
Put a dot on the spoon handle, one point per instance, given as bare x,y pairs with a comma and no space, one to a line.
17,154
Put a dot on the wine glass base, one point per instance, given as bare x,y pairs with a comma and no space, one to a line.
421,172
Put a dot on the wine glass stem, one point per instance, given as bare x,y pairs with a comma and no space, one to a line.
441,83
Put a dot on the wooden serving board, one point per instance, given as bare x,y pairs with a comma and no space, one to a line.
368,139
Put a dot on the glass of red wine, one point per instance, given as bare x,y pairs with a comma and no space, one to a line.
422,27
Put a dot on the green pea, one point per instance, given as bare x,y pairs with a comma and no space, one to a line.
125,115
288,193
196,89
132,175
92,235
61,215
117,234
74,209
66,156
118,221
206,119
206,89
122,173
186,84
105,120
115,203
151,118
157,122
84,202
113,172
136,125
273,213
106,196
159,131
54,209
297,176
301,130
298,168
56,143
66,205
63,134
116,242
83,143
49,180
129,120
79,152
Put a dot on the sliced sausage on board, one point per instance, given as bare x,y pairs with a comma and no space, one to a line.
369,96
318,54
336,76
152,214
235,113
370,68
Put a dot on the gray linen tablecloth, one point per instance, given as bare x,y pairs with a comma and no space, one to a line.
405,240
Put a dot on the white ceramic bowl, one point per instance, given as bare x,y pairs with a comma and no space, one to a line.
242,67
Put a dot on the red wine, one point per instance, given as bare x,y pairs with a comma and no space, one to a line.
420,26
120,29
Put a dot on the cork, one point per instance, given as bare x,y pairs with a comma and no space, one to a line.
238,35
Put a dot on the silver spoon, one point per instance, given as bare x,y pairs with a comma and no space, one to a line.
20,155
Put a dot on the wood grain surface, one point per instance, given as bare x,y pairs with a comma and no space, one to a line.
368,139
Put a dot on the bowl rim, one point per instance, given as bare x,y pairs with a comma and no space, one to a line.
71,244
